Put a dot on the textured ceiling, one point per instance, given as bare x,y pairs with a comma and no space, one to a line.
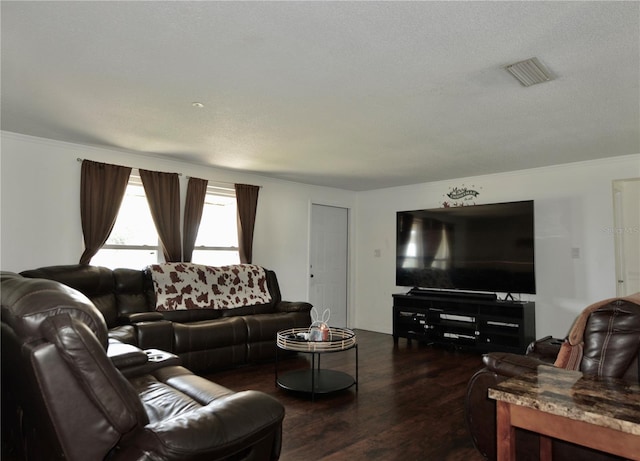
355,95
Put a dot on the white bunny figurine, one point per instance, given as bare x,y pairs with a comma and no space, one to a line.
319,329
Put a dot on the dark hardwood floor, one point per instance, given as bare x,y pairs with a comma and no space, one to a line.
409,404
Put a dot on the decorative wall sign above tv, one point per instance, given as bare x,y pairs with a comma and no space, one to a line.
461,196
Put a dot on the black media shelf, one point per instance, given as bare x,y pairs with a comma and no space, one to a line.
481,324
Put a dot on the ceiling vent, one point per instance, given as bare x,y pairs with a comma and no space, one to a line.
529,72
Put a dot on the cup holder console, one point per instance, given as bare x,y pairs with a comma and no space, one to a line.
156,355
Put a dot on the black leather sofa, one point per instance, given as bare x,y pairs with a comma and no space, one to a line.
65,398
610,336
205,339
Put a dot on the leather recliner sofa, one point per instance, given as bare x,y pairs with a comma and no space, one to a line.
206,340
63,398
609,337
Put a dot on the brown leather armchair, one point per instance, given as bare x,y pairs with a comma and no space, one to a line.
63,397
606,337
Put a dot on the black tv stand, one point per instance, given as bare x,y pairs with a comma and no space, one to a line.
464,320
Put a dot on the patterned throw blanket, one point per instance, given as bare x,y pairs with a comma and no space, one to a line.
194,286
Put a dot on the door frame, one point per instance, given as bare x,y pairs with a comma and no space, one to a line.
620,228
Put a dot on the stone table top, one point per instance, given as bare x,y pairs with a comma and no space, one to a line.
605,402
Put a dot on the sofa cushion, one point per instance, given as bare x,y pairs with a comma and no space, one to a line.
210,334
194,286
133,291
265,327
192,418
212,344
172,391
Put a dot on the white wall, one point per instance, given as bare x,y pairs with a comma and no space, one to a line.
40,223
573,209
40,207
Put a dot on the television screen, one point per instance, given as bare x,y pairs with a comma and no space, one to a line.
487,248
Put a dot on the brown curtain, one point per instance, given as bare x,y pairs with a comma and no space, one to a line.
247,200
163,194
196,193
102,188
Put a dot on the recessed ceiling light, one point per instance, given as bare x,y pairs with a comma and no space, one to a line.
199,105
529,72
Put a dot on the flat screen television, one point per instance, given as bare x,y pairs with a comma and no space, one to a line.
480,248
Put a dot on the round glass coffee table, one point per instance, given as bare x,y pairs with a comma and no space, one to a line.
316,380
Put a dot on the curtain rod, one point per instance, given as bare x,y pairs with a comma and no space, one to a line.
82,159
187,177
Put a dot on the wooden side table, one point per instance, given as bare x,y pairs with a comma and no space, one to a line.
599,413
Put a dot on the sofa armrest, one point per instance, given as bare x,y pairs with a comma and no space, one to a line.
156,334
135,317
125,355
293,306
156,359
507,364
546,348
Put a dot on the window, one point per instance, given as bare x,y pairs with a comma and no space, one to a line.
133,242
217,240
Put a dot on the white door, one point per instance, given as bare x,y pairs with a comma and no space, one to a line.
626,215
328,262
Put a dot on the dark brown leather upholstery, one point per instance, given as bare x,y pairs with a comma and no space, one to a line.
63,398
204,339
611,349
99,285
211,344
612,340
